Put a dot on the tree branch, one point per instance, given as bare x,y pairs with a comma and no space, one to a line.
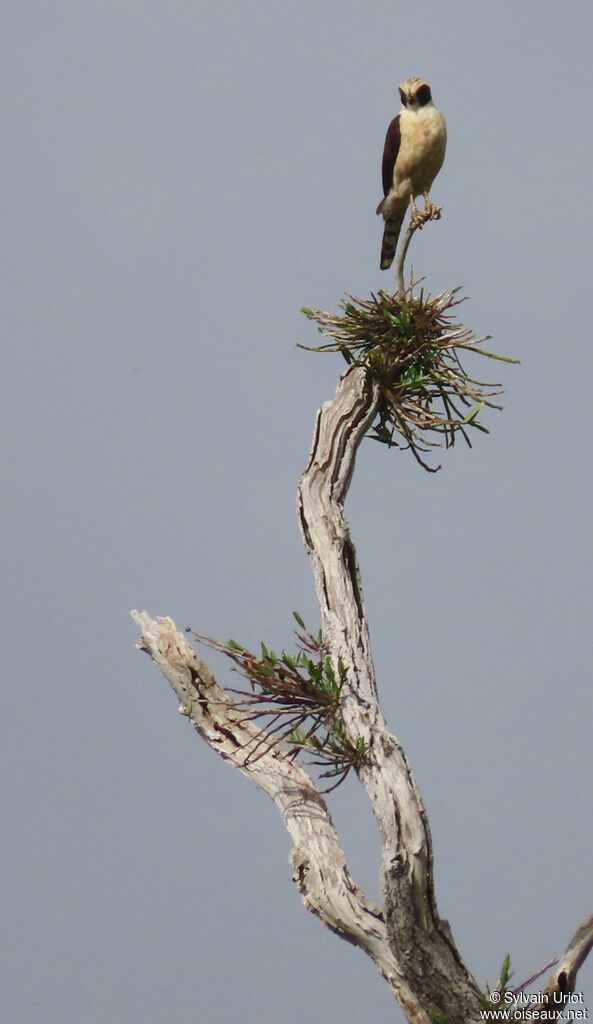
563,978
320,870
401,256
420,939
410,944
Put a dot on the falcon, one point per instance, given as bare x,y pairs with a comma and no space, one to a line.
413,156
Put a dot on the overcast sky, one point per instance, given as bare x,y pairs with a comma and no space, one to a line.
177,180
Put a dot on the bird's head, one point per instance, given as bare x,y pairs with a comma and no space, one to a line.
415,93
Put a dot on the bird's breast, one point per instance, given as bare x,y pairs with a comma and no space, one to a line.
422,150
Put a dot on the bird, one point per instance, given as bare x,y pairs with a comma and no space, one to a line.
413,156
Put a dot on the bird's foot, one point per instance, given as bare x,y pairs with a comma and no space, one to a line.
417,217
431,212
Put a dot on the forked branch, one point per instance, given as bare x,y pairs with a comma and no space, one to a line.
320,870
410,944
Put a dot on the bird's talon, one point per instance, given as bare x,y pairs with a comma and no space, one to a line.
431,211
418,218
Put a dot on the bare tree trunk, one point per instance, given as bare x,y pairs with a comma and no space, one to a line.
410,944
421,941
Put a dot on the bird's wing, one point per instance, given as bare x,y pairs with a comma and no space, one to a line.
392,144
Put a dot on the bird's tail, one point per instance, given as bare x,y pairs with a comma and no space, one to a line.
393,226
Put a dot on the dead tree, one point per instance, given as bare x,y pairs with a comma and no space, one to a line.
406,387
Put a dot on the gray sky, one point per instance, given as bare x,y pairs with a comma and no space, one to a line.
177,180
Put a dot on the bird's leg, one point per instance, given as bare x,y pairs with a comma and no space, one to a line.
417,217
431,212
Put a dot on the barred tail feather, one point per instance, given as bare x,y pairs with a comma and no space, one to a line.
390,236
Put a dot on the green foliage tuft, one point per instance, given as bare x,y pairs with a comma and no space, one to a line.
411,346
297,694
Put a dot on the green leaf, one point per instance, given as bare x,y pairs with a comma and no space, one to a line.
505,973
296,736
265,670
474,412
339,730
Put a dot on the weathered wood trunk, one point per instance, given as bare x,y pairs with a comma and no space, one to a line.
410,944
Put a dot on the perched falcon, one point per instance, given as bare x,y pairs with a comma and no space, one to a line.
413,156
